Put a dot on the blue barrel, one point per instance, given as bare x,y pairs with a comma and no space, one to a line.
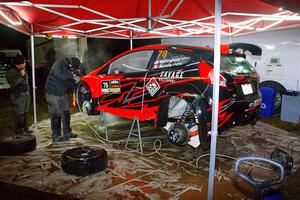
268,99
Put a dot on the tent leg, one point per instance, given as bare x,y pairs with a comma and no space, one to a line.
215,109
33,75
131,40
149,14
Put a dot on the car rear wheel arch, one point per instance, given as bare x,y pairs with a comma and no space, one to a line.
199,107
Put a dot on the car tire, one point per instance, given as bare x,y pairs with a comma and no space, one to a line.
86,96
82,161
162,114
278,96
204,137
17,145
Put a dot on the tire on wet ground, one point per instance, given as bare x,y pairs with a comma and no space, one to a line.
18,144
82,161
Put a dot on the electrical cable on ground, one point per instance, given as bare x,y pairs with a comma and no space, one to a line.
157,148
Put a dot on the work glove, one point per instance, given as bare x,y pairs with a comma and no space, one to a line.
76,78
23,72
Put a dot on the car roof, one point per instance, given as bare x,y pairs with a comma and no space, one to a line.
164,46
156,47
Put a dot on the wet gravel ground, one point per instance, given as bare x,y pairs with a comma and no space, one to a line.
164,171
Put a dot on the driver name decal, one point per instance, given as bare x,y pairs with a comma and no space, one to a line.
111,87
152,86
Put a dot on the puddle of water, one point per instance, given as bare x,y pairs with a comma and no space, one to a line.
130,175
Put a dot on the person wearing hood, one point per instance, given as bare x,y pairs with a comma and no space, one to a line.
61,79
20,97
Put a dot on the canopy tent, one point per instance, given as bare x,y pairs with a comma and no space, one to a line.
144,18
150,19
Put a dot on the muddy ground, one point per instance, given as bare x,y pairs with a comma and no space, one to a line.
163,171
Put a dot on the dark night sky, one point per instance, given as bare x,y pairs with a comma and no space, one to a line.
9,38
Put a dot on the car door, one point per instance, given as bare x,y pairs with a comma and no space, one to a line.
171,67
123,87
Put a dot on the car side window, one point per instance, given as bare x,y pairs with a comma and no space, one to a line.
169,58
131,63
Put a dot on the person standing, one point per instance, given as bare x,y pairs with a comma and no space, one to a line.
61,79
17,78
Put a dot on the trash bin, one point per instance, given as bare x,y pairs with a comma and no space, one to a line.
268,99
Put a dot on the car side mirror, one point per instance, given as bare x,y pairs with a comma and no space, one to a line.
116,71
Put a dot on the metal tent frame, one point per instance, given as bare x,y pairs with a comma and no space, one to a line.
158,26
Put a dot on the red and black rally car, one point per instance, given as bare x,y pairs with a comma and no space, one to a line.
171,86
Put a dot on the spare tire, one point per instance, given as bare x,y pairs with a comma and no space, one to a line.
280,90
82,161
18,144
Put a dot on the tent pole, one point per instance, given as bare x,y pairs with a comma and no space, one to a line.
131,39
215,106
149,14
230,33
33,74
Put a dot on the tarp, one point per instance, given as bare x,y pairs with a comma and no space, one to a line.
145,18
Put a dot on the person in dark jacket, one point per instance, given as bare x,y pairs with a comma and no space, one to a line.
17,78
61,79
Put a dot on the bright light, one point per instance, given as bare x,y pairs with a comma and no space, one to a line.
57,36
9,20
72,37
64,36
280,9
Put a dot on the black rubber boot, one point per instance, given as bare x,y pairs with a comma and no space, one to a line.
19,125
26,129
66,117
56,129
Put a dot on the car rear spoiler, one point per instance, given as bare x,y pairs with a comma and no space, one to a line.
240,49
237,47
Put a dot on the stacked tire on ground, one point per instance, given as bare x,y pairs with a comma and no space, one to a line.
82,161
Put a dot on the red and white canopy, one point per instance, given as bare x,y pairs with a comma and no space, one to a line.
145,18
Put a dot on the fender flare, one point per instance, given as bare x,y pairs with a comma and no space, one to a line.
200,106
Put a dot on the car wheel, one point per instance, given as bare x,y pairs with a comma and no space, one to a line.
85,160
178,134
85,101
279,91
17,145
